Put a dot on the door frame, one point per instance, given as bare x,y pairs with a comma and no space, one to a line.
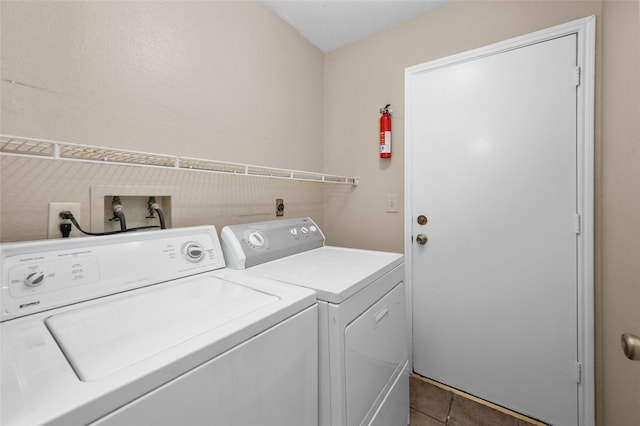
585,30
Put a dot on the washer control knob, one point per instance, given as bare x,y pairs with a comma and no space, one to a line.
257,239
304,230
293,231
193,252
34,279
313,228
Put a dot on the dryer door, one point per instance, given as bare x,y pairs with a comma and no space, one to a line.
375,351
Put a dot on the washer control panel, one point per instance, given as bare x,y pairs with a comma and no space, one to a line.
251,244
40,275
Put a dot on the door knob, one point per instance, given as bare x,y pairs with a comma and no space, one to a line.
421,239
631,346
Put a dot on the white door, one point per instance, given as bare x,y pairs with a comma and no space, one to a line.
493,168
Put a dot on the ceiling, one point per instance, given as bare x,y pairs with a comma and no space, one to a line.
335,23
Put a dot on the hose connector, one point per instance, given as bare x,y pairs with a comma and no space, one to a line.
118,212
153,206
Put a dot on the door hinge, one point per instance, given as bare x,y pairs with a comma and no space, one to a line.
578,223
577,76
578,372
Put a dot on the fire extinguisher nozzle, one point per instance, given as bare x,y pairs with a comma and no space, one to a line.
386,109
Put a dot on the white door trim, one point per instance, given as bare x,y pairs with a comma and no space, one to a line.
585,31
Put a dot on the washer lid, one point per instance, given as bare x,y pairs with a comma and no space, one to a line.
335,273
103,338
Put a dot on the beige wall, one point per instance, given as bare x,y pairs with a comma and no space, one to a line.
216,80
222,80
618,230
362,77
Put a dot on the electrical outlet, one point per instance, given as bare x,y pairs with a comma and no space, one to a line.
279,207
55,220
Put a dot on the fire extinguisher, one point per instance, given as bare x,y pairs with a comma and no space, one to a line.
385,132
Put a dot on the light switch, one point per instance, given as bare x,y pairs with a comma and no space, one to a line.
392,203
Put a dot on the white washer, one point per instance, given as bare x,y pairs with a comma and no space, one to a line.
148,328
362,315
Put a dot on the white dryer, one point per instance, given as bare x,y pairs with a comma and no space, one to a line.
147,328
363,332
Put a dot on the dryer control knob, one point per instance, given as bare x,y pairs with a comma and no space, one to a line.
193,252
257,239
34,279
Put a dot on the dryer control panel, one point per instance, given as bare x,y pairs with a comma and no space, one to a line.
40,275
251,244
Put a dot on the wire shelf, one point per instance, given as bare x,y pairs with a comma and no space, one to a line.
21,146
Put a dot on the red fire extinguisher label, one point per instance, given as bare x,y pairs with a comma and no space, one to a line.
385,142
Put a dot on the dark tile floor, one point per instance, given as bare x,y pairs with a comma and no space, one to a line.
433,405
